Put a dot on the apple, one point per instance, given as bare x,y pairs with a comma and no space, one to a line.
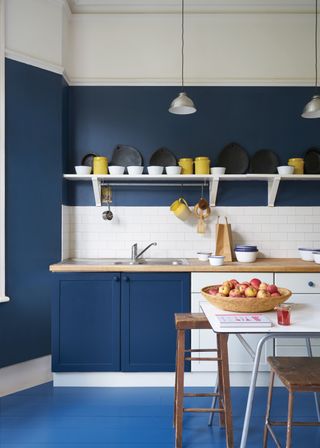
213,291
245,283
262,294
235,292
234,283
250,291
276,294
242,287
228,284
255,282
263,286
224,289
272,289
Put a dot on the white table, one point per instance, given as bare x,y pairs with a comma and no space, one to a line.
305,323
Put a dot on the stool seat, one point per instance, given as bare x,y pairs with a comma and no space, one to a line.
191,321
297,373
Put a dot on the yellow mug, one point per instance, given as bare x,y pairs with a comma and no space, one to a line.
298,164
186,165
181,209
100,165
202,165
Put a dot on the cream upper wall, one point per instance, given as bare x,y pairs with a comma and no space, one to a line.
144,49
219,49
34,32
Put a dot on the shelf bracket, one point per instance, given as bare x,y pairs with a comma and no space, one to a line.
213,191
96,185
273,185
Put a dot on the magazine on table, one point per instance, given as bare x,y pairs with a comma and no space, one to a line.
242,320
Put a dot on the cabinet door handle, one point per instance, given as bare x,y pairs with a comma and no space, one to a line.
125,278
310,284
115,278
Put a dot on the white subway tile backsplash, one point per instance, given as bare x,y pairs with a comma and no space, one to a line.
277,231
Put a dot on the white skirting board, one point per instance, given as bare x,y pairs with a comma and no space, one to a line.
148,379
25,375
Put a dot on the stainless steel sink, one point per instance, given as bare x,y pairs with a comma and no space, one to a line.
128,261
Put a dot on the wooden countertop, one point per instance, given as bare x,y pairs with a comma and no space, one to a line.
261,265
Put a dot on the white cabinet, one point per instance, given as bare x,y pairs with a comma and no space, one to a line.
304,286
239,360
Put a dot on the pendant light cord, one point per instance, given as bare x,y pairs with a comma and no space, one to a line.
316,47
182,44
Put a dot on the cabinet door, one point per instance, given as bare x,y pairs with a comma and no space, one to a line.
148,304
86,323
239,359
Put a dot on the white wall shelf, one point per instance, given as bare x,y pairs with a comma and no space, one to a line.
189,180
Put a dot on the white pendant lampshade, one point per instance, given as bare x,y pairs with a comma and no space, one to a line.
182,105
312,109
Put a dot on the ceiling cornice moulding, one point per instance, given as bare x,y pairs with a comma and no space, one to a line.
192,6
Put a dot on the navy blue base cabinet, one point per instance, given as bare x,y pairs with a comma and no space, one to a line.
116,322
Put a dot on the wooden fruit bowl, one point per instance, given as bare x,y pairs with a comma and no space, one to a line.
245,304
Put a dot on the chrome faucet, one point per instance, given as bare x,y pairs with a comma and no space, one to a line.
134,251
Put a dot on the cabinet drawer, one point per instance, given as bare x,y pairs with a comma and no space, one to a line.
308,283
201,279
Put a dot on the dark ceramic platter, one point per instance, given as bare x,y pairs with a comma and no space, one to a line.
234,158
312,161
264,161
124,155
163,157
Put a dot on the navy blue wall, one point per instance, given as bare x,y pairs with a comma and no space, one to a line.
256,117
34,142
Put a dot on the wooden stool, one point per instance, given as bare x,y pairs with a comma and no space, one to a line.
198,321
298,374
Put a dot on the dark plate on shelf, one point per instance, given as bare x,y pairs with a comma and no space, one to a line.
234,158
124,155
87,160
312,161
264,161
163,157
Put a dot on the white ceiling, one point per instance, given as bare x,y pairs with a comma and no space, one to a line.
202,6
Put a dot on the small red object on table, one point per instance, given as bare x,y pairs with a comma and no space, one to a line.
283,314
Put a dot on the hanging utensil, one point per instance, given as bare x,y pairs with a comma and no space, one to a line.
201,215
108,215
203,203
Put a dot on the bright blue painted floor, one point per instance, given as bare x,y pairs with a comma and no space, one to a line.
137,417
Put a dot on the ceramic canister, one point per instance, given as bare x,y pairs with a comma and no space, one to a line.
100,165
298,164
186,165
202,165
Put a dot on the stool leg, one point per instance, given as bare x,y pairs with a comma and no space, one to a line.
180,387
270,390
175,385
289,424
223,343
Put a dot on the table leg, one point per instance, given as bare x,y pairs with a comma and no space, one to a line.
251,391
316,398
223,344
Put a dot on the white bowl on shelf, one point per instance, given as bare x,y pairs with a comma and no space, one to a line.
307,254
135,170
246,257
155,170
203,256
83,169
285,170
116,170
218,170
172,170
216,260
316,257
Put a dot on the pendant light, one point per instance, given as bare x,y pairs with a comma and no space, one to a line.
182,105
312,109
